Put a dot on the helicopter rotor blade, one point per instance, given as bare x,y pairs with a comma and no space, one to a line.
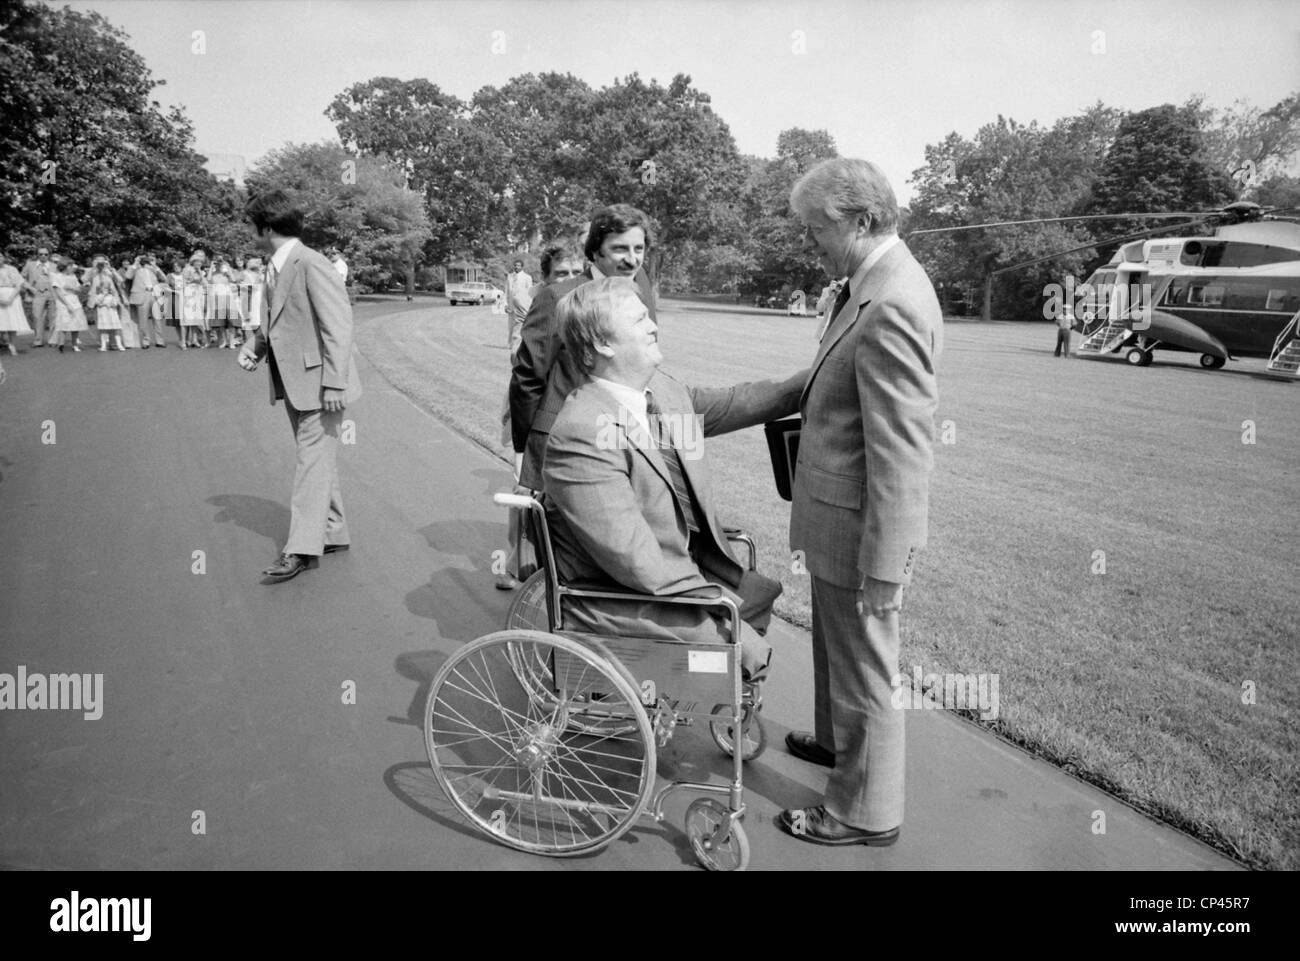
1102,243
1060,220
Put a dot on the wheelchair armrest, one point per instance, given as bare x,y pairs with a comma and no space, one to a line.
707,596
712,591
739,536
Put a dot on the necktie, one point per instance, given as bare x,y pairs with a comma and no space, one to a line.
840,301
681,490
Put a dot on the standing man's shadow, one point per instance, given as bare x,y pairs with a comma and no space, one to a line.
270,519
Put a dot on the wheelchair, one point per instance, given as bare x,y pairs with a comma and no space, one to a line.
546,739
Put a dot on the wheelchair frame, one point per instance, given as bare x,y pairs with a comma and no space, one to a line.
567,716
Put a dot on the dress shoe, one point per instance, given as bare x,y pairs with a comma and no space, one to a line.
288,566
506,582
332,548
821,827
805,747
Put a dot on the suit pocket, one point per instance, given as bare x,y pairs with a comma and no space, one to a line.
311,357
834,489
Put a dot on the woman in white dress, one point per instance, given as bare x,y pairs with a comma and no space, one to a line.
69,318
193,282
104,300
223,304
13,319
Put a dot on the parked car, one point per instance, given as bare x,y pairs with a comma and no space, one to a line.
472,293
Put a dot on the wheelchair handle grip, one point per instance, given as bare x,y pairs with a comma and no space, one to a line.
515,500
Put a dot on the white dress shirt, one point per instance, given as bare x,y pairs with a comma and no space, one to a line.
631,399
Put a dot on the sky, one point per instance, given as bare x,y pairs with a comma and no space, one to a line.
884,77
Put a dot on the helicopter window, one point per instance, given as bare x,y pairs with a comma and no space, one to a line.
1276,300
1212,296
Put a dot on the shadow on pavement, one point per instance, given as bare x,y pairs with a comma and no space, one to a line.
270,519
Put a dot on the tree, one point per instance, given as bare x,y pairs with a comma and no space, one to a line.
360,205
1010,171
1159,163
1250,145
664,150
774,240
454,163
539,121
92,163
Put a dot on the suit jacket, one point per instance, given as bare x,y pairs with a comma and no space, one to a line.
35,275
614,518
143,280
308,331
861,486
543,376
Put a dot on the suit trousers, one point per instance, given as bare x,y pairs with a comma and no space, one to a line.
142,314
1062,340
43,316
855,659
316,509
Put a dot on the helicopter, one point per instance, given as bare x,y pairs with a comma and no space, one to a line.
1233,294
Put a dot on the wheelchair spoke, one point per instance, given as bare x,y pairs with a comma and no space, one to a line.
553,771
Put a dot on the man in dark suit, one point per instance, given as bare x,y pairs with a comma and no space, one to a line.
542,377
307,338
861,494
626,477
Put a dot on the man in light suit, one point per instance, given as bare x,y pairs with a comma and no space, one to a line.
542,378
861,494
306,337
144,276
37,273
626,476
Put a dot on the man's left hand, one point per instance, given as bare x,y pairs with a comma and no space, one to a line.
332,399
879,598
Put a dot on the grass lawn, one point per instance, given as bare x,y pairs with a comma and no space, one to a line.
1132,678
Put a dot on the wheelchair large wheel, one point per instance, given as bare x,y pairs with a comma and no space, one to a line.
528,612
524,768
528,609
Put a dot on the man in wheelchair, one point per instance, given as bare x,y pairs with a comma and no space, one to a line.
629,502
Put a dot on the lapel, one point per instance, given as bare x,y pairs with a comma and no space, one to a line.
636,435
862,290
282,281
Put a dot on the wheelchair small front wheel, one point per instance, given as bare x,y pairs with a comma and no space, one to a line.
719,842
753,735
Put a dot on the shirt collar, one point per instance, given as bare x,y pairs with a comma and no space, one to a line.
873,258
280,256
630,398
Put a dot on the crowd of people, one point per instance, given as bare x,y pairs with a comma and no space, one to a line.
210,302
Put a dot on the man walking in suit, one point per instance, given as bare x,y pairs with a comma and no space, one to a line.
306,337
37,273
627,478
542,378
861,494
144,276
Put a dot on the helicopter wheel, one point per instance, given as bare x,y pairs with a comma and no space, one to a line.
1210,362
1139,357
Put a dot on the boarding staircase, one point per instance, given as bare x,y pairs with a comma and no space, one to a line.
1108,335
1285,358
